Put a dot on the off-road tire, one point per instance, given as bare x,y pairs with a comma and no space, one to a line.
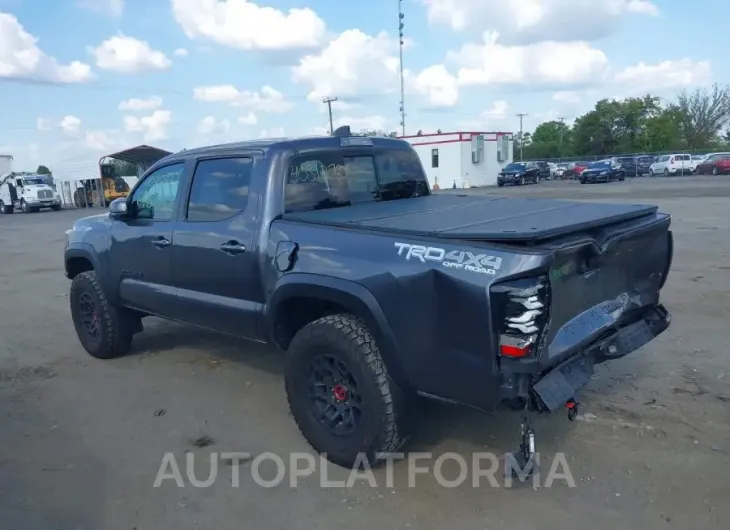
382,425
117,328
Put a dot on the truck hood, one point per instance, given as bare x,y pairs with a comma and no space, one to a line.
101,221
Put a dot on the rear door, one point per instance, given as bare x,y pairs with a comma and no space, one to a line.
214,254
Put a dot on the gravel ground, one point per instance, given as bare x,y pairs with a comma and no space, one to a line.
83,440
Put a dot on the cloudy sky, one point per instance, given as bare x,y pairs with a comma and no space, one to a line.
83,78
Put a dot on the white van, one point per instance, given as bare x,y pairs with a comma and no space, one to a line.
677,164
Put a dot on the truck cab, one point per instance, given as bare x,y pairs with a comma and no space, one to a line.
27,192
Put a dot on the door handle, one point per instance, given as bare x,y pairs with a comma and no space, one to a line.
161,242
233,247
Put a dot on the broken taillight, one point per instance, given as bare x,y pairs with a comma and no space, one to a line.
521,310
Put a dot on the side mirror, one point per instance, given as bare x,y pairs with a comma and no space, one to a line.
119,209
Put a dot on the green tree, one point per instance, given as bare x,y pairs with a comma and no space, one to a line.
703,114
43,170
377,132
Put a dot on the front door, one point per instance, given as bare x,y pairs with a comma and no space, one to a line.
213,256
140,245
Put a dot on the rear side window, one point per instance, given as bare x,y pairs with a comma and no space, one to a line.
329,180
220,189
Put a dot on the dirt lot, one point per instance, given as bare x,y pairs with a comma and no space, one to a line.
83,440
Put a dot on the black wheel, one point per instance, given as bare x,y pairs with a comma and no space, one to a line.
714,171
5,208
24,206
500,184
104,331
56,208
340,393
80,198
522,181
666,172
537,179
582,181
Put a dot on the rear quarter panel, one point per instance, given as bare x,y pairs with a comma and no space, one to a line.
438,316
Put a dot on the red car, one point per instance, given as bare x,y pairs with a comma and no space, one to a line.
575,170
716,164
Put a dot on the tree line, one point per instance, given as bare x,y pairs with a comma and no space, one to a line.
694,121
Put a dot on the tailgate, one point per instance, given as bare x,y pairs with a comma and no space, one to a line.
599,284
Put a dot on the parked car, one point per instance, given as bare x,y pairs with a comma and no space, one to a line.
553,168
519,174
715,164
560,169
643,163
677,164
603,171
575,169
545,171
328,248
628,163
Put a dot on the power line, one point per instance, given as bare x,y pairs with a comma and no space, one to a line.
328,101
522,140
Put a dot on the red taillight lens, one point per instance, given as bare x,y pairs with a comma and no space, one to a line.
520,309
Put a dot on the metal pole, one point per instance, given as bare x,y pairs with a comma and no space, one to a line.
329,101
522,138
401,16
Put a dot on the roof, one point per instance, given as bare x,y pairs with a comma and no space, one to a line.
142,154
430,135
301,144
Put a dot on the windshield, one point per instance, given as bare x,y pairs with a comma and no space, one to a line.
563,165
599,164
626,160
516,166
33,180
319,181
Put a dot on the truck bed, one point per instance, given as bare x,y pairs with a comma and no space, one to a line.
460,216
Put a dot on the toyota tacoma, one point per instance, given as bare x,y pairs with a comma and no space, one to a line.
336,250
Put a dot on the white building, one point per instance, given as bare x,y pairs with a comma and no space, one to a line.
464,159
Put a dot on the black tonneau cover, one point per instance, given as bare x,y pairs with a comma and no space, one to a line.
456,216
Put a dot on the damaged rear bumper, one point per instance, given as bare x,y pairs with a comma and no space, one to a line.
553,388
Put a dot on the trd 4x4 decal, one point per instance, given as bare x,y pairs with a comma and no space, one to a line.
454,259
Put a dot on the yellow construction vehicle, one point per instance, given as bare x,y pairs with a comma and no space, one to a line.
116,172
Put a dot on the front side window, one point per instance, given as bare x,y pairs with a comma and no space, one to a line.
156,195
220,189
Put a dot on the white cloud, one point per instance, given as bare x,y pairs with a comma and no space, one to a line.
102,140
245,25
21,58
181,52
152,102
376,122
68,124
209,126
154,126
567,96
667,74
528,21
440,88
544,63
276,132
268,100
248,119
353,64
493,118
128,55
112,8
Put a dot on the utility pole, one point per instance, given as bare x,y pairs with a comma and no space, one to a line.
522,139
401,25
328,101
561,119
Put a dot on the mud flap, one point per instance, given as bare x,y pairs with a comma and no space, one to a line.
560,385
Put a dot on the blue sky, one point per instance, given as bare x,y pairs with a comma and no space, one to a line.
84,78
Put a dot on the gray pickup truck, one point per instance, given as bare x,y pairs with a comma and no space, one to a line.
335,250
